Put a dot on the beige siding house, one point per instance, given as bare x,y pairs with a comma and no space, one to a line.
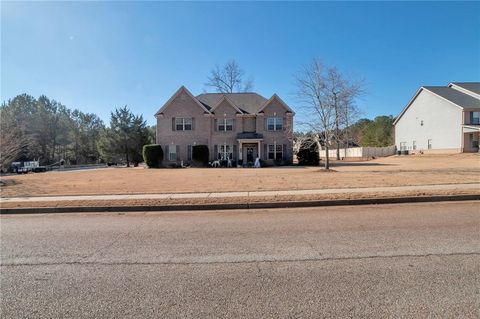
441,119
235,126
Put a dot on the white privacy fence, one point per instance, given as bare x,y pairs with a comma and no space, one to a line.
361,152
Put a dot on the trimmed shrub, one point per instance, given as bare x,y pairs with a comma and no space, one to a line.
200,155
153,155
308,154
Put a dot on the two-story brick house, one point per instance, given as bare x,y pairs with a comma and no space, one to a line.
235,126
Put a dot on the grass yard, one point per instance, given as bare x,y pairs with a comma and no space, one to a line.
389,171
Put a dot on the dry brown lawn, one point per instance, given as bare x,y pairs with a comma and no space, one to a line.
389,171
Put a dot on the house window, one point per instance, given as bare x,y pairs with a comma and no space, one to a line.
403,146
414,145
274,124
275,151
429,144
183,123
225,125
189,152
475,118
172,152
225,152
474,140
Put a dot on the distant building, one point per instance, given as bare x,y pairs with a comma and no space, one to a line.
441,119
235,126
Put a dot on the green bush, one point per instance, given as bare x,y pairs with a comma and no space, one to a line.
200,155
153,155
308,154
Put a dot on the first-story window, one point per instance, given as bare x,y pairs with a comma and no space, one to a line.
189,152
172,152
225,152
275,151
403,146
414,145
225,125
474,138
429,144
183,123
274,124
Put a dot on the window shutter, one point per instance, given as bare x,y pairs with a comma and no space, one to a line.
215,152
189,151
215,125
265,151
233,125
173,124
471,117
177,151
193,123
167,153
266,124
284,152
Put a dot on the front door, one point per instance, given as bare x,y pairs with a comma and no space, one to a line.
249,154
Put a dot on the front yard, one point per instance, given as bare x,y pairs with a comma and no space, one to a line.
389,171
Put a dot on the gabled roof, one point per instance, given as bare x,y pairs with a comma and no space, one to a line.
469,86
225,98
179,91
275,97
247,102
456,97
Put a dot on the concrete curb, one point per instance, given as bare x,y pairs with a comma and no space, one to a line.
228,206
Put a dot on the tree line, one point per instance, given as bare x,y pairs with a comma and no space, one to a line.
44,129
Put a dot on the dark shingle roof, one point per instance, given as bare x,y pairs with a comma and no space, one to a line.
470,86
455,96
247,102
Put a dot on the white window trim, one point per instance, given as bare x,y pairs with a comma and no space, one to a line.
223,122
224,155
184,123
172,147
280,119
274,151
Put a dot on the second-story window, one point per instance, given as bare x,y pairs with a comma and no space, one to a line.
475,118
274,124
225,125
183,123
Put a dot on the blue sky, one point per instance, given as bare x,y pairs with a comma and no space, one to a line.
96,56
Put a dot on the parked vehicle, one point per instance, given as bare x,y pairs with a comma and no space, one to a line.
27,166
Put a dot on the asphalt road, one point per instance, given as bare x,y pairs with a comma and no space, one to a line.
409,260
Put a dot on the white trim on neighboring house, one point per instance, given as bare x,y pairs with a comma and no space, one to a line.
413,99
463,90
275,96
225,98
180,90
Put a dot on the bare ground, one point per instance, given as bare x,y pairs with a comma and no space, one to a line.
389,171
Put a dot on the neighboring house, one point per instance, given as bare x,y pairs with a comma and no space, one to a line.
442,119
235,126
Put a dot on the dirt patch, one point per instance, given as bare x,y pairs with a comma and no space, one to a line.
389,171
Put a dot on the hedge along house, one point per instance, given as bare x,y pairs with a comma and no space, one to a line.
441,119
235,126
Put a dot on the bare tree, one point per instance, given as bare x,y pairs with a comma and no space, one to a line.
12,145
324,95
229,79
